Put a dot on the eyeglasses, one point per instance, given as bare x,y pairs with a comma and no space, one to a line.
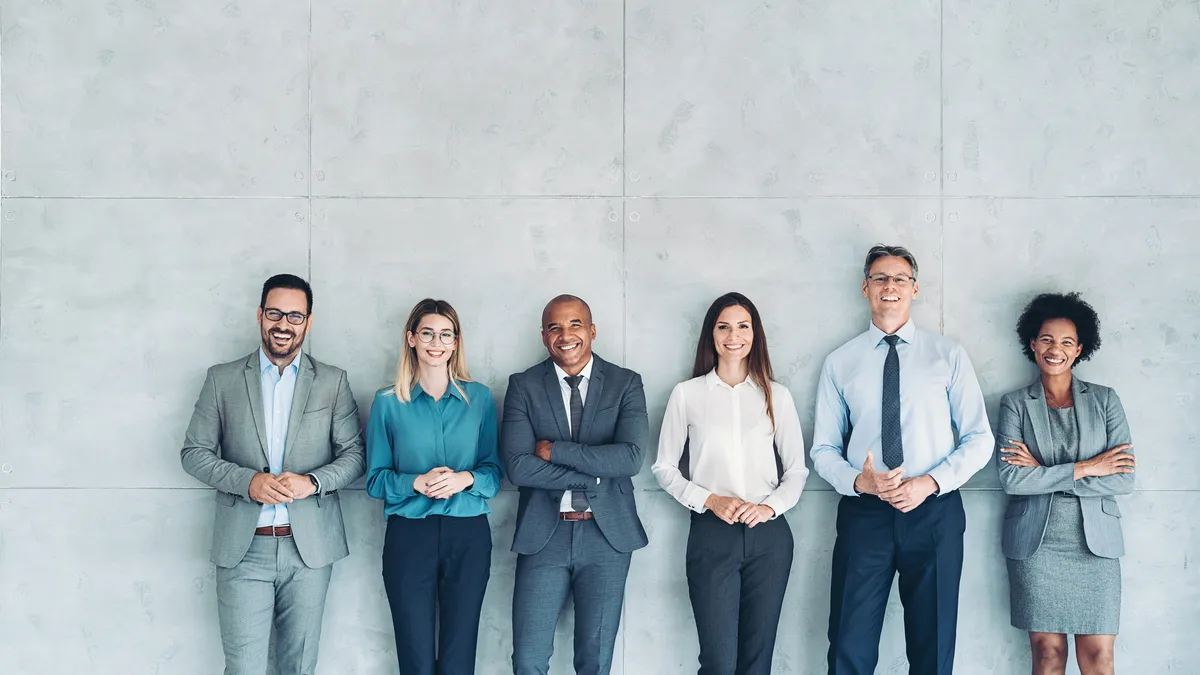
899,279
294,318
446,337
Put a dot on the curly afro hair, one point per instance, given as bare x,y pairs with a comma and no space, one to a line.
1067,306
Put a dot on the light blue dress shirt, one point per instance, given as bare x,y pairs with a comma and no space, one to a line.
939,395
405,440
277,393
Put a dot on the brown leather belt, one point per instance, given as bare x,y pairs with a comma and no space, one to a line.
274,530
574,515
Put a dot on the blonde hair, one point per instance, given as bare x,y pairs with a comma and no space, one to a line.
406,371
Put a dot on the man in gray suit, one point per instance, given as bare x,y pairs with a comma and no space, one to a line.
277,434
573,435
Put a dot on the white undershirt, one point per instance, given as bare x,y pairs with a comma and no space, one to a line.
565,505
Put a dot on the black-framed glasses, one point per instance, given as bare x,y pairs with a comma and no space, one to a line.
899,279
446,337
294,318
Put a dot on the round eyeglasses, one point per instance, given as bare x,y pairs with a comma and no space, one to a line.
446,337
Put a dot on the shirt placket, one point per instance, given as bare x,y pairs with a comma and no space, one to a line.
277,436
439,432
739,451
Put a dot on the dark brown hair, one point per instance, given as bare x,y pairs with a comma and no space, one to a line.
760,359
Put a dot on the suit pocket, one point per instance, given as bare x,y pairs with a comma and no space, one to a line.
316,410
1109,506
226,498
1016,508
625,485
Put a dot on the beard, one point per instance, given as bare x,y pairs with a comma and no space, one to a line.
278,351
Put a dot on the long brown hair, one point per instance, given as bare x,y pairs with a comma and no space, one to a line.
760,360
406,370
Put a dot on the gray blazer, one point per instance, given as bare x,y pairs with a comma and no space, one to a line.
1102,425
226,444
612,444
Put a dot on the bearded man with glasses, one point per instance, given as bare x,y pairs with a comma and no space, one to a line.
277,434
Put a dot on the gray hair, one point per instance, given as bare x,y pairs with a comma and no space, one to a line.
880,251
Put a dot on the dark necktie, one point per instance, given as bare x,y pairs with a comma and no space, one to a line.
890,439
579,500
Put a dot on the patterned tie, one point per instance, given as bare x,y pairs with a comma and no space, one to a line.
579,500
893,444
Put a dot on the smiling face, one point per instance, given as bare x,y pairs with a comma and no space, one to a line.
567,332
890,288
434,340
1056,346
281,339
733,334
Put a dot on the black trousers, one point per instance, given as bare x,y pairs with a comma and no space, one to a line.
874,542
736,579
435,572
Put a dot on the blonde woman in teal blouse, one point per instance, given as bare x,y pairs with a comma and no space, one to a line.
432,459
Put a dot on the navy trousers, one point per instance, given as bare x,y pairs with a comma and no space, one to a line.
874,543
737,576
435,572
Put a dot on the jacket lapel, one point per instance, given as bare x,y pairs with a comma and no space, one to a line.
1087,414
254,392
304,380
1039,417
595,387
554,396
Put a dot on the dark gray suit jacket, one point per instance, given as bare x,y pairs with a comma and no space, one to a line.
612,444
1024,417
226,444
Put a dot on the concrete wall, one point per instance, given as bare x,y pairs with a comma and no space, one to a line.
162,157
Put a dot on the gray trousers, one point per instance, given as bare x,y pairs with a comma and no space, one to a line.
271,586
577,561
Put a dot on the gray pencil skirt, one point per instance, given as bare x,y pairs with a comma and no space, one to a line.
1064,587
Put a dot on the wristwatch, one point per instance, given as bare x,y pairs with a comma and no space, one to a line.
315,482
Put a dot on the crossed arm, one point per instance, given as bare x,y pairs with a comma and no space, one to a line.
1108,473
572,464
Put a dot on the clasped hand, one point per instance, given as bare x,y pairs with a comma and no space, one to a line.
443,482
733,510
905,494
266,488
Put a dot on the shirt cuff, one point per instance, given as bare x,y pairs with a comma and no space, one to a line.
317,480
843,480
944,478
775,507
695,498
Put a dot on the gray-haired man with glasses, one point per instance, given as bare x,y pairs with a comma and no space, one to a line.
900,426
277,434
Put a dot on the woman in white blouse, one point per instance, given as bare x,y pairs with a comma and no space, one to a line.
731,451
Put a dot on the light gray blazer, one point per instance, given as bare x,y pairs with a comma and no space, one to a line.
611,446
226,444
1024,417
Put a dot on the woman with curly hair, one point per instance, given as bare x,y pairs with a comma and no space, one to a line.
1066,454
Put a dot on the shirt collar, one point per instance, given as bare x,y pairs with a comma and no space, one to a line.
264,363
713,381
586,372
450,389
907,333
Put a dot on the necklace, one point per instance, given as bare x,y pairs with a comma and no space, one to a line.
1053,403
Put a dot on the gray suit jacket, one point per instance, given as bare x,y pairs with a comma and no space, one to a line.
226,444
612,444
1024,417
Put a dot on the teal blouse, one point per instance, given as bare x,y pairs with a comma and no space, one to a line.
405,440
